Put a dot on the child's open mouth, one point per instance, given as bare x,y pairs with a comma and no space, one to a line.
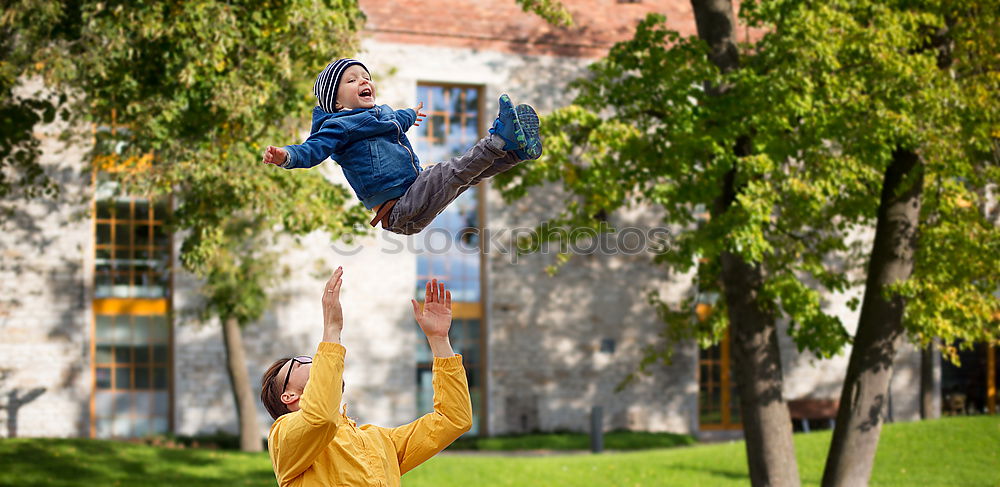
366,93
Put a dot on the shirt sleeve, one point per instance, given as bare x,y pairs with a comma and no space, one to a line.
418,441
297,438
321,144
406,118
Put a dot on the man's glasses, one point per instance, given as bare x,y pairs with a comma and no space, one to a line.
302,360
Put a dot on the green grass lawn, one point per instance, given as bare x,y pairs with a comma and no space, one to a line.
949,452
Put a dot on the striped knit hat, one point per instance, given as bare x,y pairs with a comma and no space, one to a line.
326,84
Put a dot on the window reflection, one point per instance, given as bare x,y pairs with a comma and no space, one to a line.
131,246
130,365
449,248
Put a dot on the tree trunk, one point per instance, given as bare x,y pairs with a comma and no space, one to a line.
767,426
239,379
717,27
865,393
930,408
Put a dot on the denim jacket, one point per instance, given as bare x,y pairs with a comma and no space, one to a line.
370,144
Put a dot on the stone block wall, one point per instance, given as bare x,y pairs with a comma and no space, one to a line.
45,276
807,376
550,337
379,332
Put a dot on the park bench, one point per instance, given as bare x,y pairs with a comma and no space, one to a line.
808,409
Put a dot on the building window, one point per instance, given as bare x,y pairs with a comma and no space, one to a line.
131,369
131,339
971,388
131,246
465,339
449,249
718,402
453,121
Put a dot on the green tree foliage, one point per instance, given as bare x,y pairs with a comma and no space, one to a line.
855,81
828,92
21,28
826,98
553,11
185,96
194,91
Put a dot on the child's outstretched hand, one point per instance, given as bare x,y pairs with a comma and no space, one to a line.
275,155
420,115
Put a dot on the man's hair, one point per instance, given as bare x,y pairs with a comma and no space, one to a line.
270,393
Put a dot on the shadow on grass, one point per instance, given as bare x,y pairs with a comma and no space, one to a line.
94,462
714,472
62,462
558,441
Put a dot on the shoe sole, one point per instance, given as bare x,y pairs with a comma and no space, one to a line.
519,135
528,120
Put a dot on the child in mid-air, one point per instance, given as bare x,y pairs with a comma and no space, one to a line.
369,142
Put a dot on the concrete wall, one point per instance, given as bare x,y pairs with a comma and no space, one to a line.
45,276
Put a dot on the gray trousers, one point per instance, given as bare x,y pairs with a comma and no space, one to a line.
437,186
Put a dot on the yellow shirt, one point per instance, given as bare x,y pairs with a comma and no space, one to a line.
318,445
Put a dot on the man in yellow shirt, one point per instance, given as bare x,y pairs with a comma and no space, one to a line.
312,443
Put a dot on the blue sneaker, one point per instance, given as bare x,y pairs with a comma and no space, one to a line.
529,125
507,126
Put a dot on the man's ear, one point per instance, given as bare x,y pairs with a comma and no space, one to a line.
289,397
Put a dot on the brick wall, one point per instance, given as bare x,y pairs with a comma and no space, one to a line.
501,25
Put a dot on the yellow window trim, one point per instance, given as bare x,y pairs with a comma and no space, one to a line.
725,383
991,378
466,310
130,306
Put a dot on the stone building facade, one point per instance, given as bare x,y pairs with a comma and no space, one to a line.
45,284
544,349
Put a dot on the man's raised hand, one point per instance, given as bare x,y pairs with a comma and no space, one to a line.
333,314
435,317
